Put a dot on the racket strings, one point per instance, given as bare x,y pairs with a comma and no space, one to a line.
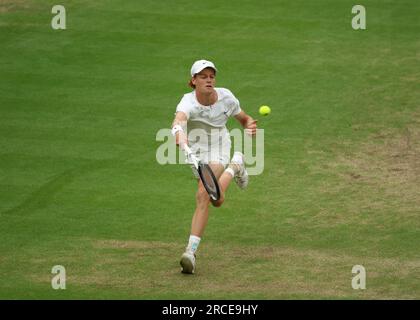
210,182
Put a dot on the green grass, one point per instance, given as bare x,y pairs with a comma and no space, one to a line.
80,185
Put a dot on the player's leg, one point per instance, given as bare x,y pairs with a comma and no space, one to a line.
237,170
202,198
199,222
224,182
200,217
218,170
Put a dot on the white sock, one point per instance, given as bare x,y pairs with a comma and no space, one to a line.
230,170
193,243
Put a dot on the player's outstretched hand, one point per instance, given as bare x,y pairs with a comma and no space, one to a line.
251,127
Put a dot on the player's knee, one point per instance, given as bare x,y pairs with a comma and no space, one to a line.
219,202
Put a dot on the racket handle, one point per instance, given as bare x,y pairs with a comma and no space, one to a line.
190,155
186,148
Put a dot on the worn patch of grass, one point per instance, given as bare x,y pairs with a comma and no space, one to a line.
148,269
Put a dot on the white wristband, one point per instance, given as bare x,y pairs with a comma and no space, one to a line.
176,128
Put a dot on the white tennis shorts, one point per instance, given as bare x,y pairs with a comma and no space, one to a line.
216,153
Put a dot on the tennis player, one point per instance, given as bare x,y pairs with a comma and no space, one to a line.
200,122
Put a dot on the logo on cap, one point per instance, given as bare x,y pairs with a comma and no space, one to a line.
200,65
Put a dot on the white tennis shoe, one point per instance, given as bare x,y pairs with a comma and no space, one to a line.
188,262
241,177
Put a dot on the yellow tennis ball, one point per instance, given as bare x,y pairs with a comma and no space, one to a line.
264,110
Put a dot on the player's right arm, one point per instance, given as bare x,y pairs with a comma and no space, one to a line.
179,126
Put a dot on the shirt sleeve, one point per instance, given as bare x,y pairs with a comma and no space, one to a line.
184,106
233,102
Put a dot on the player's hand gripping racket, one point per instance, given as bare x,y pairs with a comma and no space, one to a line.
206,174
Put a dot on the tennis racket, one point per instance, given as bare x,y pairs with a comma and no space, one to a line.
206,174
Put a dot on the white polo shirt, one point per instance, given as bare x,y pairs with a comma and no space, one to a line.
212,119
215,115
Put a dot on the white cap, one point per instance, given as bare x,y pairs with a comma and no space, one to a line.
200,65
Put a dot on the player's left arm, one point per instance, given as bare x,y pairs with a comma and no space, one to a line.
247,122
